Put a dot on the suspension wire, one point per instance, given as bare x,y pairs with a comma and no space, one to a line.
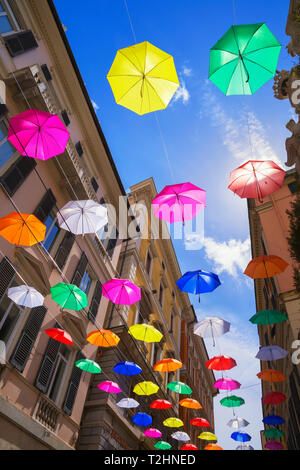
130,21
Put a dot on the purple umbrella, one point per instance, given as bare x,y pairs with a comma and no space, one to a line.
273,445
271,353
227,384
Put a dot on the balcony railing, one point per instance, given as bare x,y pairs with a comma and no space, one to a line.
47,414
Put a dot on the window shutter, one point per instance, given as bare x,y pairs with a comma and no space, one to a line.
46,72
112,245
94,184
28,337
73,387
95,302
79,148
13,178
45,206
44,375
64,249
80,270
7,273
65,117
3,110
18,43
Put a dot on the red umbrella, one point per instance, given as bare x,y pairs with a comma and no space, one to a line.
160,404
273,398
201,422
59,335
220,363
189,447
256,179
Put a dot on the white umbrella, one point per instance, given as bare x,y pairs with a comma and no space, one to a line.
237,423
245,447
128,403
211,327
25,296
181,436
80,217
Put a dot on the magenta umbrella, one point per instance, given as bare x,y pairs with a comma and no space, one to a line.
38,134
121,292
152,432
110,387
227,384
273,445
179,202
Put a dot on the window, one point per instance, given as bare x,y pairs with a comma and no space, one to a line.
52,231
293,187
149,262
59,373
86,282
171,330
7,151
161,293
139,319
156,354
7,21
9,316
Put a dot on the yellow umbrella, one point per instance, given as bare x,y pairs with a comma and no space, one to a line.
143,78
208,436
173,422
146,333
145,388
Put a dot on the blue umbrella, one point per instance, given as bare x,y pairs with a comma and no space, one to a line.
240,436
273,420
198,282
142,419
127,368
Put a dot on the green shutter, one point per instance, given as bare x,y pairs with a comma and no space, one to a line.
45,372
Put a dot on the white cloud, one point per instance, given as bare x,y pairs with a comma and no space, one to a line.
187,71
182,93
95,106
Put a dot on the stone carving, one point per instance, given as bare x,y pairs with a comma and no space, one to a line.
293,145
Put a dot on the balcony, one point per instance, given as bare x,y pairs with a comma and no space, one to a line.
47,414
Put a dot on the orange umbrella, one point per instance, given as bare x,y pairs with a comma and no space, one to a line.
167,365
265,266
190,403
212,447
103,338
271,375
22,229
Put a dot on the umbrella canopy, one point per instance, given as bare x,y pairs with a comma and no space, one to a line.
181,436
38,134
221,363
232,402
22,229
89,366
212,447
161,404
270,375
179,202
268,317
200,422
198,282
109,387
179,387
142,419
69,296
244,59
273,420
173,423
273,398
59,335
25,296
240,437
81,217
211,327
271,353
190,403
227,384
237,423
143,78
244,447
265,266
273,445
146,388
128,403
167,365
256,179
162,445
121,292
152,432
127,368
208,436
146,333
189,447
103,338
273,433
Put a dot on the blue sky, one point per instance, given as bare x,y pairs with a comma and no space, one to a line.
206,135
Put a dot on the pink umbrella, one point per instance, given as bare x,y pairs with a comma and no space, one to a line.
110,387
121,292
273,445
256,179
151,432
38,134
179,202
227,384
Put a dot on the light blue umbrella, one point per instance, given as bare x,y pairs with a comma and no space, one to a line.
271,353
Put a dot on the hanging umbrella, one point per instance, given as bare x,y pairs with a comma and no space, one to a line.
270,375
81,217
198,282
22,229
128,403
38,134
167,365
211,327
162,445
127,368
89,366
268,317
25,296
181,436
161,404
69,296
273,445
121,292
188,447
173,423
237,423
273,420
146,333
208,436
212,447
152,432
245,447
109,387
190,403
103,338
179,387
143,78
179,202
60,335
232,402
227,384
240,437
273,433
273,398
200,422
221,363
142,419
271,353
244,59
146,388
265,266
256,179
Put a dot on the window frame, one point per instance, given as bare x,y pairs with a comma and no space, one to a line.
11,18
63,381
15,155
19,320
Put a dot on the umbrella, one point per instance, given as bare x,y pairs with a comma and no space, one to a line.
103,338
265,266
273,420
81,217
181,436
198,282
127,368
161,404
38,134
69,296
256,179
162,445
212,447
208,436
179,202
273,398
89,366
128,403
146,333
152,432
59,335
221,363
273,445
227,384
244,59
232,402
121,292
244,447
273,433
190,403
268,317
270,375
189,447
25,296
211,327
200,422
167,365
143,78
237,423
110,387
142,419
240,437
146,388
173,423
179,387
271,353
22,229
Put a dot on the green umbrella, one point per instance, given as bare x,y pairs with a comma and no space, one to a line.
89,366
162,445
179,387
232,401
273,433
268,317
244,59
69,296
